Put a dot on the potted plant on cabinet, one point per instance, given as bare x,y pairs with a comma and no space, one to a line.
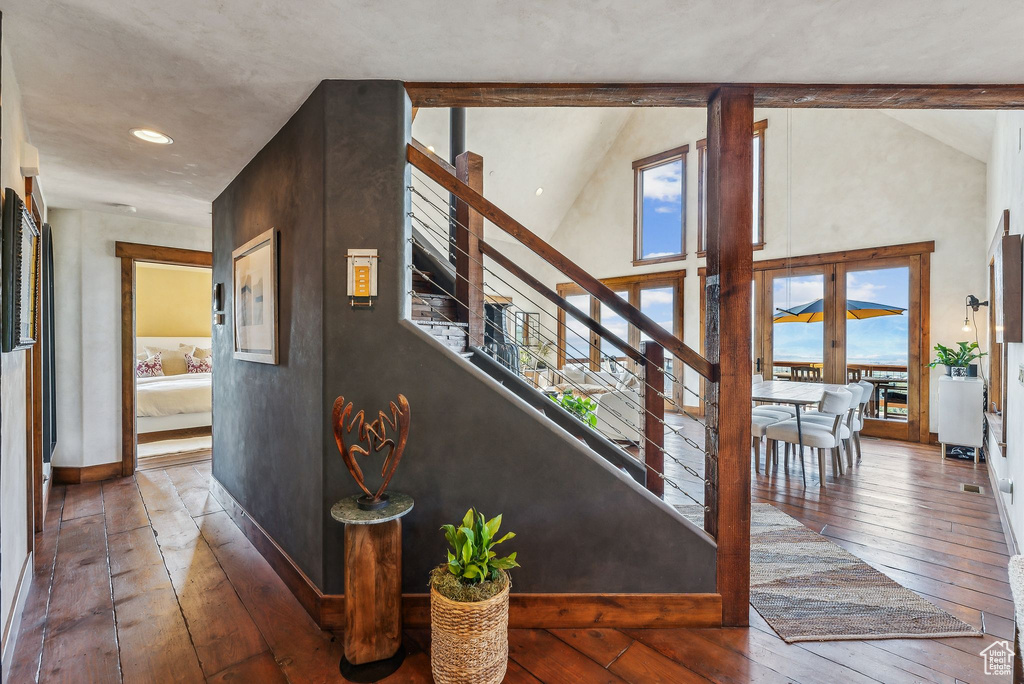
958,362
469,604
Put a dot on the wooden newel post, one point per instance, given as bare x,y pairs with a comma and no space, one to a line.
727,343
469,230
654,415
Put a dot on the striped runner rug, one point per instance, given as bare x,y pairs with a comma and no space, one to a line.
810,589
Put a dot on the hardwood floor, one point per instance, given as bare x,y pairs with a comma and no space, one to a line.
146,579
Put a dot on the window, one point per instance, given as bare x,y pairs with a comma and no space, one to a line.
659,213
757,224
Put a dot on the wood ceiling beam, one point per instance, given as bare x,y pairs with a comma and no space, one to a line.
780,95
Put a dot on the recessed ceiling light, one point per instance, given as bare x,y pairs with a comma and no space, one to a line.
431,148
149,135
540,191
803,99
125,208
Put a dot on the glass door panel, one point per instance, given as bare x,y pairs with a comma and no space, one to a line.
659,304
797,327
878,338
577,335
616,324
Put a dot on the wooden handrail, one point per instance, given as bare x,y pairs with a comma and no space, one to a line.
559,301
426,162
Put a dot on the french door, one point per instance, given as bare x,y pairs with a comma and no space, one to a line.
843,322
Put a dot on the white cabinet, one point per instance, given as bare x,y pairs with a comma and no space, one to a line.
961,413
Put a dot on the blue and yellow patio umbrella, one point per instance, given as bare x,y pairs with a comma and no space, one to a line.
814,312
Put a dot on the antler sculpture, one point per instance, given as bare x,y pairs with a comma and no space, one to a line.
374,436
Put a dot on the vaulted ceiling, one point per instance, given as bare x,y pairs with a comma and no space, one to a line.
222,77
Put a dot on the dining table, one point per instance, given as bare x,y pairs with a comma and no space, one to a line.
799,395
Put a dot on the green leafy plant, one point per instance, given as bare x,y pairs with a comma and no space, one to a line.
471,557
961,357
583,408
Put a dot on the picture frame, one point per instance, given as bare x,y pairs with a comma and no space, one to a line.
19,299
254,268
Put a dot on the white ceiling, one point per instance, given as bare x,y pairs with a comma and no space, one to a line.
222,77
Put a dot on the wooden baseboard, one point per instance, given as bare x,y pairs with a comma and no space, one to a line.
183,433
542,611
77,475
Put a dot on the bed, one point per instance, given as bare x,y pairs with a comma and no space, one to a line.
180,403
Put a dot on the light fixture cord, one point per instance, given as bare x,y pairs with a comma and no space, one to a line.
981,366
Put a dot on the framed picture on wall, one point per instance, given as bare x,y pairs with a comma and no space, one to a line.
254,288
20,274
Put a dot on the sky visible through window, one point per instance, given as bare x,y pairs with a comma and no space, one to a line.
880,340
884,339
662,210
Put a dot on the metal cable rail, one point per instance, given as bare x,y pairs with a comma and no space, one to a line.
653,470
642,380
422,160
447,238
617,415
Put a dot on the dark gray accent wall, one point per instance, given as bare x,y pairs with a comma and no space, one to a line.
268,420
582,525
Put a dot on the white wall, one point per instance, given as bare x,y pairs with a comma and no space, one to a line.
859,179
87,292
1006,191
13,456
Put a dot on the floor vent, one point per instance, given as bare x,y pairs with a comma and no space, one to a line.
972,488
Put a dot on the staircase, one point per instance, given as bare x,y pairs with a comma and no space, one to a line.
436,312
623,418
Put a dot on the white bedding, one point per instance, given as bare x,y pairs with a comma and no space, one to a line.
173,394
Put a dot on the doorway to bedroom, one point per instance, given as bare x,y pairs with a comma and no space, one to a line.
166,352
173,395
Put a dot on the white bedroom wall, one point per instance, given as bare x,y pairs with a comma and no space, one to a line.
859,179
13,455
87,291
1006,191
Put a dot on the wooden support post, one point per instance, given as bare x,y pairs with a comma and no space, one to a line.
373,591
469,270
654,414
727,343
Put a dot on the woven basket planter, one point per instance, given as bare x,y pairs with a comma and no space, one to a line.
469,639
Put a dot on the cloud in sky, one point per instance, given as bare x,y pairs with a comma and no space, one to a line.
664,183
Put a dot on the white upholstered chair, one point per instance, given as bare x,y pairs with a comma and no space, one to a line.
815,435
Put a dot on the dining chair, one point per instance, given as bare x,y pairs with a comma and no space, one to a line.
857,399
770,410
867,392
834,403
806,373
758,429
853,374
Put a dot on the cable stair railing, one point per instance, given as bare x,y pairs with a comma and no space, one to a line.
676,462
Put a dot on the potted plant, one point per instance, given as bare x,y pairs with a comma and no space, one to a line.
469,604
958,361
583,408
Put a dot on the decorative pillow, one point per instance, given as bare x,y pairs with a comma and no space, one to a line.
151,367
173,360
194,365
197,352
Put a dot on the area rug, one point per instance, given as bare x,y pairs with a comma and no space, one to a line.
810,589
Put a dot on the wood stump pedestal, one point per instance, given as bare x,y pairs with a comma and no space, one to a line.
373,585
